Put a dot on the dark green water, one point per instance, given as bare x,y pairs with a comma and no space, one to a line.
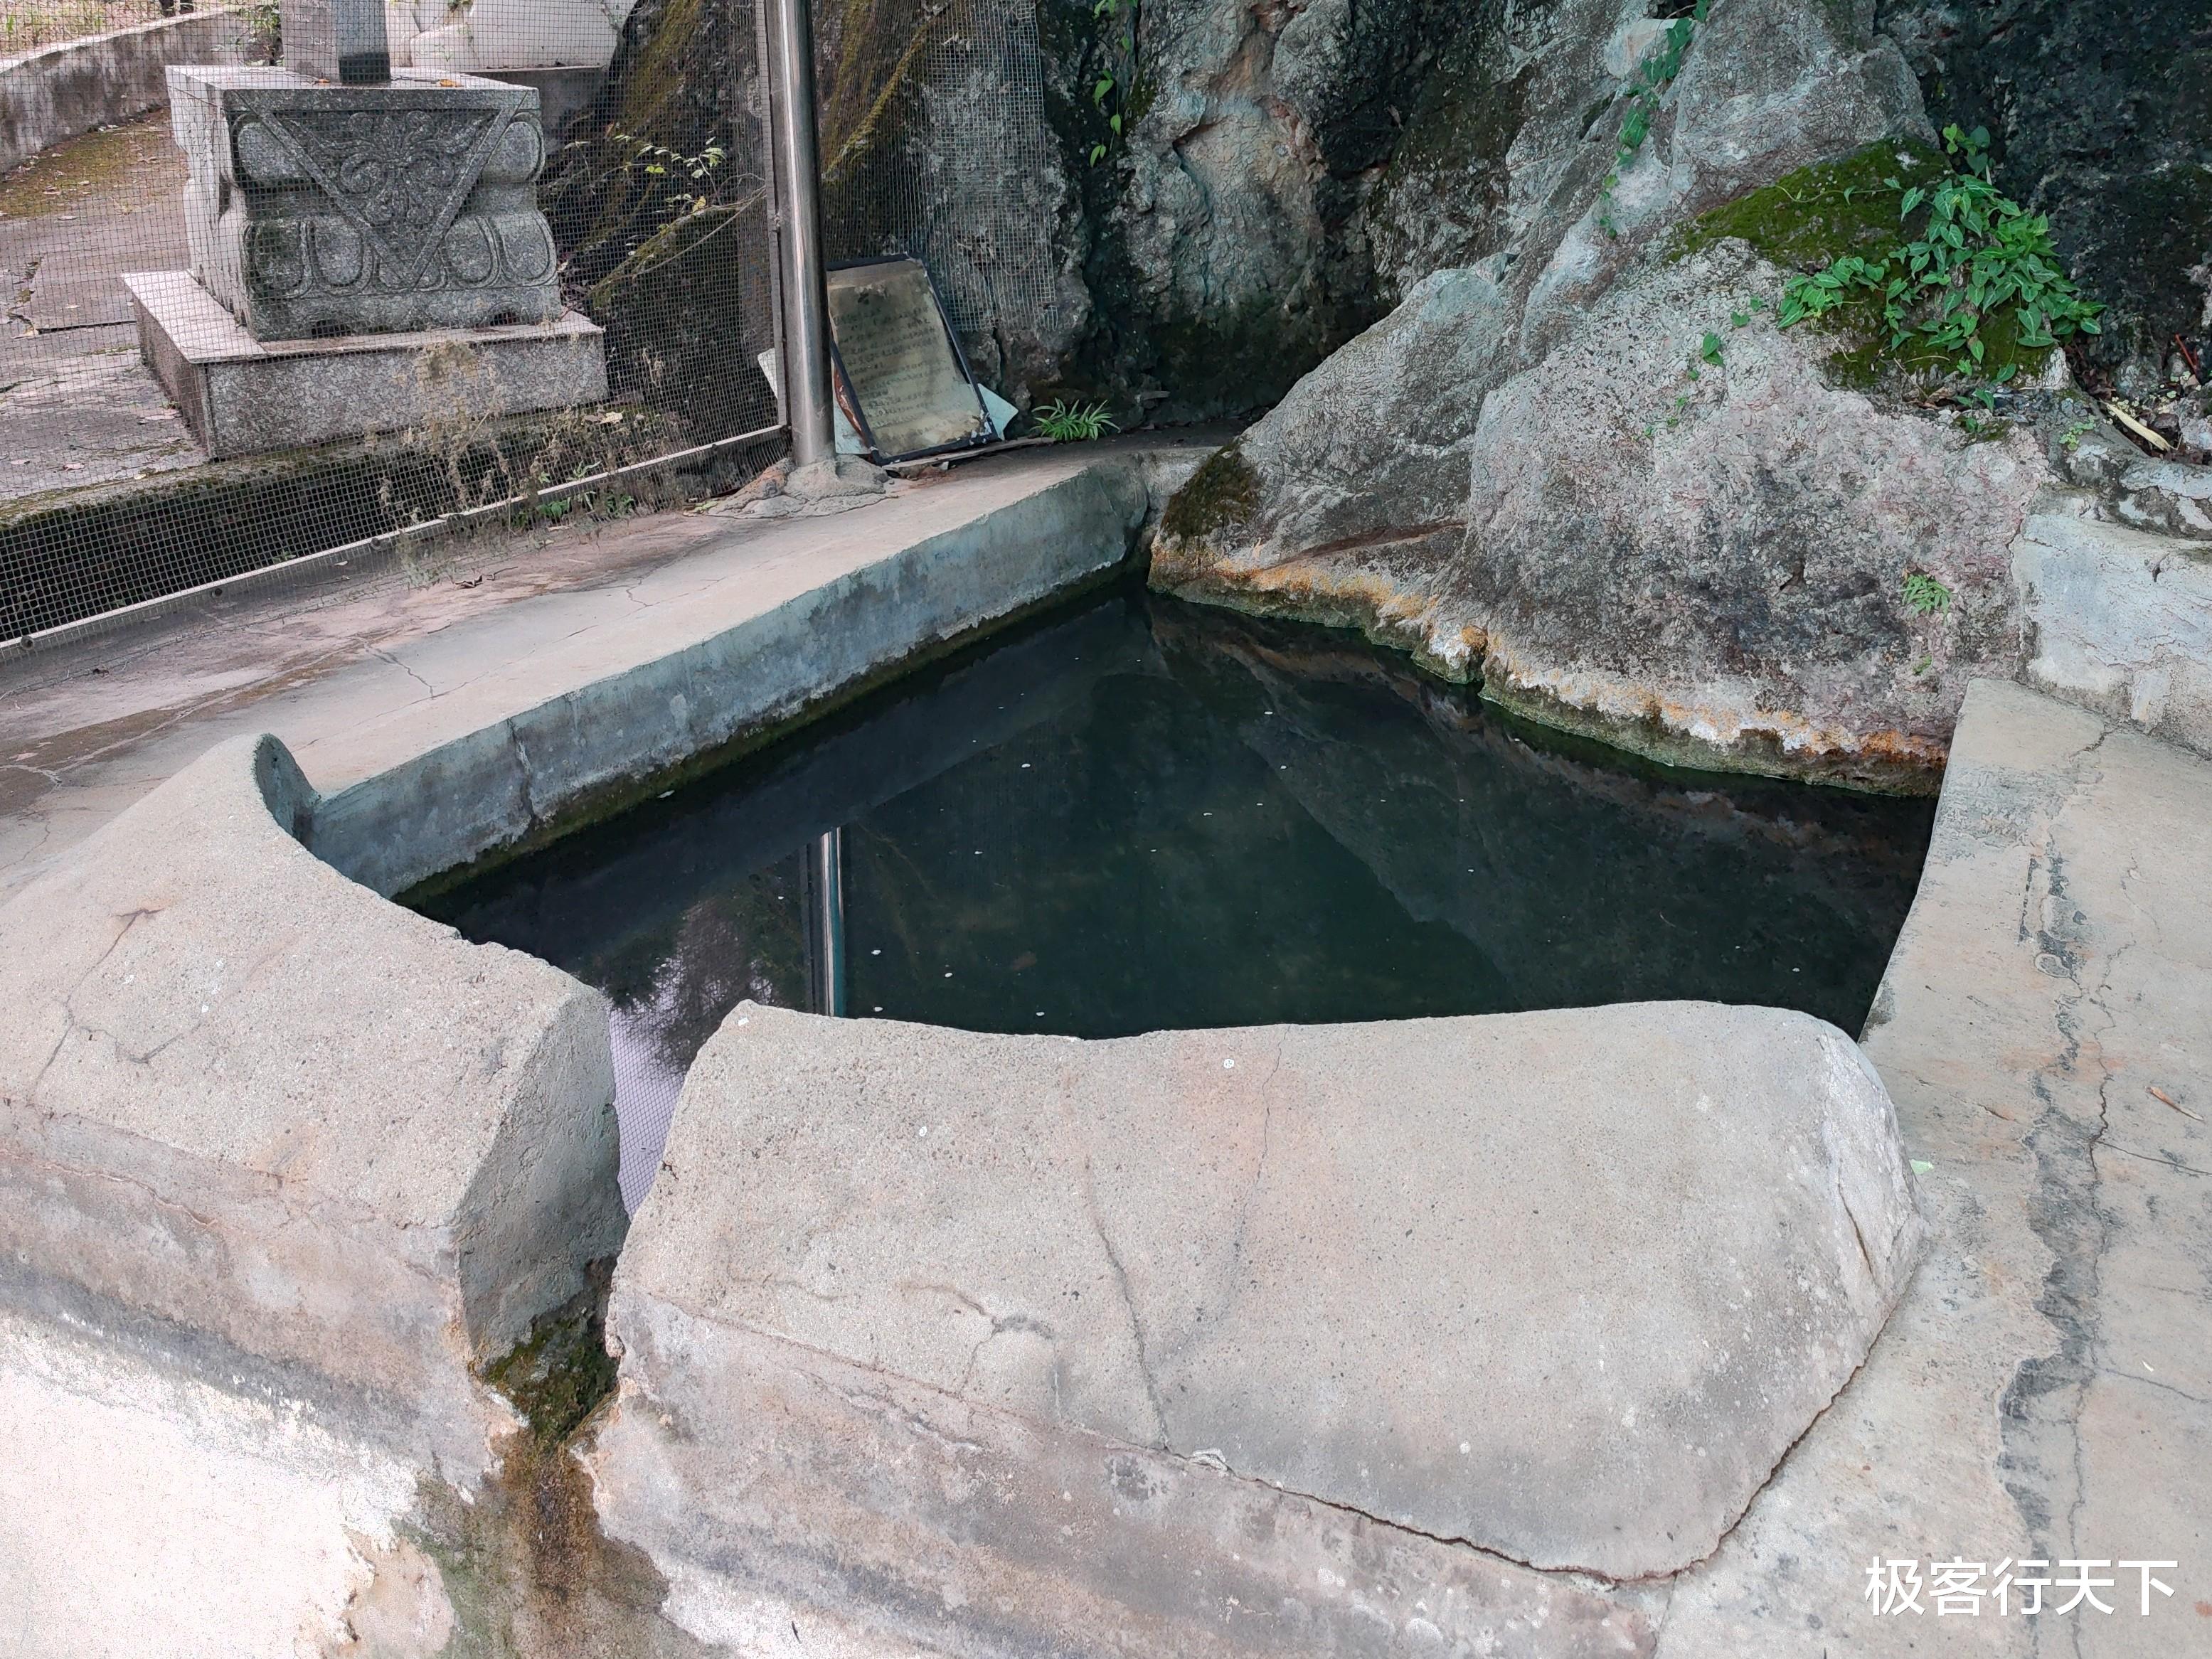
1143,814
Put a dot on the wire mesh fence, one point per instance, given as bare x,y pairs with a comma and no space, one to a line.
274,317
258,314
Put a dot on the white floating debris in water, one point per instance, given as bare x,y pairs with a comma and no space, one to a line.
664,794
877,951
948,973
879,1007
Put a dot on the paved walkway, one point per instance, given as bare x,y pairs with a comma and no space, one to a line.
357,685
76,405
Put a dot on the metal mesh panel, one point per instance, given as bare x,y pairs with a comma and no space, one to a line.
347,325
957,167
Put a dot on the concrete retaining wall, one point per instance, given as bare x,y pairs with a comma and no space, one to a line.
60,91
700,691
259,1118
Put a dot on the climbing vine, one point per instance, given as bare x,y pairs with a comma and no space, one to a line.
1652,77
1114,90
1977,253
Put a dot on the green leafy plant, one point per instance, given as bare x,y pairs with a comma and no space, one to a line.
2074,432
1977,253
1652,76
1068,423
1925,596
1115,83
659,162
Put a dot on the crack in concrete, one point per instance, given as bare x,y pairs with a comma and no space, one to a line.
71,1024
2152,1382
384,656
2040,1410
1129,1302
2163,1160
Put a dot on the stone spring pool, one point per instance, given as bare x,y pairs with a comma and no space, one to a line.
1137,814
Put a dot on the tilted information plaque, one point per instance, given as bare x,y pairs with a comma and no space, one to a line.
900,374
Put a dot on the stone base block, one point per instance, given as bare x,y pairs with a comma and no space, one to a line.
240,396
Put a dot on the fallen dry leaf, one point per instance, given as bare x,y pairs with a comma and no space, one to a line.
2161,1094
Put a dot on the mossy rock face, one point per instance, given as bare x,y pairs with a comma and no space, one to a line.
562,1369
1808,219
1438,201
1222,495
674,83
1814,216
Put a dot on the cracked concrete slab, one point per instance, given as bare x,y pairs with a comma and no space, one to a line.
2044,1392
1552,1291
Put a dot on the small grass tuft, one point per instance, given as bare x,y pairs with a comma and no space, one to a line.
1924,595
1071,423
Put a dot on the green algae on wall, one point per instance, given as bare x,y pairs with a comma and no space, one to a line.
1222,494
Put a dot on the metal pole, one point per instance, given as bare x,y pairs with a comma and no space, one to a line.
826,873
806,362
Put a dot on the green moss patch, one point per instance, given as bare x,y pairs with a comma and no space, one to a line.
1817,214
1852,208
1223,493
556,1374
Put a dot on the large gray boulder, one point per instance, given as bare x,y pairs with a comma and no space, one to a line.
1534,473
962,1336
1714,567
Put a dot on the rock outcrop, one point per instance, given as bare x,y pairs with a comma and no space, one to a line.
1286,174
1591,470
2101,119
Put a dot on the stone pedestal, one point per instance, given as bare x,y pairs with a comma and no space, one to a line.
316,211
240,396
365,259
